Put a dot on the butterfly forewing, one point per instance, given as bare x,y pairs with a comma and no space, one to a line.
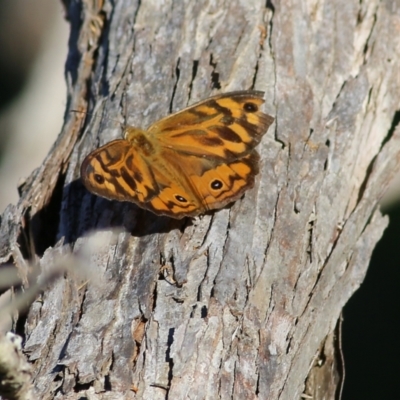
225,126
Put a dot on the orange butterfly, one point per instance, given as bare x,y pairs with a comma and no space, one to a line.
198,159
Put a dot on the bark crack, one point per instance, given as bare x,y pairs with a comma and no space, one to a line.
216,84
194,73
177,75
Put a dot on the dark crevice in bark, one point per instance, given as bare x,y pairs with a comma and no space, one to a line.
363,186
22,317
288,346
360,16
326,163
334,108
307,141
295,208
395,122
25,240
366,47
369,95
177,74
81,306
183,224
257,392
271,7
44,224
365,226
199,291
106,370
253,83
134,19
168,358
154,299
107,383
205,237
63,350
212,294
177,299
310,240
194,73
82,387
191,315
276,138
60,377
216,84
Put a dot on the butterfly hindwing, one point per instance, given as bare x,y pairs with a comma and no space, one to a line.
206,184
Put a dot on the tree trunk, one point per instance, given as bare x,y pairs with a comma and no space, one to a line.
242,303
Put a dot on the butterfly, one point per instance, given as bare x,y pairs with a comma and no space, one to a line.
198,159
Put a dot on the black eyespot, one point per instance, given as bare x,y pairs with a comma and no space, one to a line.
180,198
250,107
216,184
99,179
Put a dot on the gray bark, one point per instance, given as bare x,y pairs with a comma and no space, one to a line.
243,303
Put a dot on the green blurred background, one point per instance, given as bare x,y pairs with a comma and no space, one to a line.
33,48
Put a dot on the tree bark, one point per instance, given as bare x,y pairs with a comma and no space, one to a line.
243,303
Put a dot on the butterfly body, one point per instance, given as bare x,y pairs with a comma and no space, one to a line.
198,159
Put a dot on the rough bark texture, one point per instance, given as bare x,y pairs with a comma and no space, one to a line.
242,303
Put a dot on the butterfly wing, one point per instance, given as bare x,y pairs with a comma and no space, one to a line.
209,148
122,171
226,126
203,184
117,172
199,159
